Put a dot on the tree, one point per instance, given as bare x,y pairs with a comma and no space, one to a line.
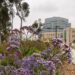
37,27
4,20
22,11
35,24
7,13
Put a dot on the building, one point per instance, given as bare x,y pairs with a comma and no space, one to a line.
47,36
51,24
69,35
53,27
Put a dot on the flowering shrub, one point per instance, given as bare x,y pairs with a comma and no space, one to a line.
29,47
48,62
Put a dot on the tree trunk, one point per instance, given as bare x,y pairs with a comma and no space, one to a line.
12,24
21,29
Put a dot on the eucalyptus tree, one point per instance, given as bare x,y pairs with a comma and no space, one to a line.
10,8
22,9
22,12
37,27
4,19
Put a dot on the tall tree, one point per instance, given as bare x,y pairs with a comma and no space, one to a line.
4,20
22,11
7,13
37,26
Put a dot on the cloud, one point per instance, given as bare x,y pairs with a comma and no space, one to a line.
45,7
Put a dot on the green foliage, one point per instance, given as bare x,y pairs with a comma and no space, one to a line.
7,13
35,24
57,72
58,69
6,61
28,47
2,47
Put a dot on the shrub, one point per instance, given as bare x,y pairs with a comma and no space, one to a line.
24,61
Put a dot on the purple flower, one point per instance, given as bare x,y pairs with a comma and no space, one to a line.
46,52
18,63
69,56
2,56
22,71
13,40
2,68
65,47
51,67
1,73
12,73
40,61
57,61
57,42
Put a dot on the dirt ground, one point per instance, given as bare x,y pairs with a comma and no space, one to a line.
68,69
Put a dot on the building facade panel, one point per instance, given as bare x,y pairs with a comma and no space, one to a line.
53,26
70,35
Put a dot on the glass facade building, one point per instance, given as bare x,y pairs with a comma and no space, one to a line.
53,23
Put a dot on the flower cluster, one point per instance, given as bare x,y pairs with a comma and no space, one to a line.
13,40
32,65
67,49
69,56
44,63
46,52
56,42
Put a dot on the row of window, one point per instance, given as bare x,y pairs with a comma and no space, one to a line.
52,35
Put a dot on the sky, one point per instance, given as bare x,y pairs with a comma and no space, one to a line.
48,8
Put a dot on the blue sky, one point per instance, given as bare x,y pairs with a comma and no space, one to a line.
49,8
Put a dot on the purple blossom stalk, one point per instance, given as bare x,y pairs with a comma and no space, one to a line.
56,42
46,52
65,47
52,67
57,61
35,64
13,40
69,56
1,73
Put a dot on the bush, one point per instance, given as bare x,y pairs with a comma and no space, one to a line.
31,59
29,47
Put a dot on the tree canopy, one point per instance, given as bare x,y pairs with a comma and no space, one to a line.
7,13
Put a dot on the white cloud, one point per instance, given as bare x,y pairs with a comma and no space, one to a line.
45,7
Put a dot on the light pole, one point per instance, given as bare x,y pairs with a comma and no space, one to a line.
56,30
